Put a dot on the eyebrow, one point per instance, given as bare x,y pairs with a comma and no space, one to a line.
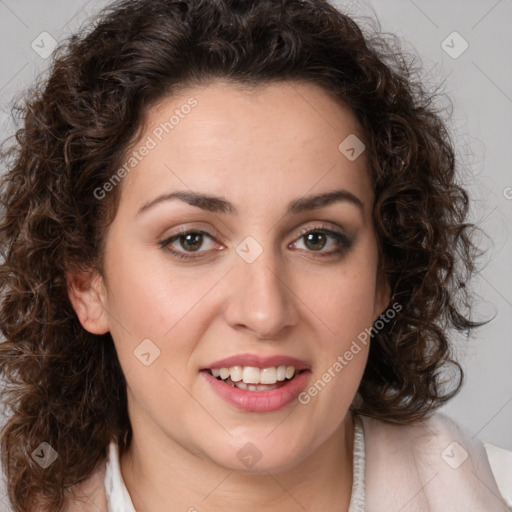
217,204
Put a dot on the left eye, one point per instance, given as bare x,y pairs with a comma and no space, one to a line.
191,241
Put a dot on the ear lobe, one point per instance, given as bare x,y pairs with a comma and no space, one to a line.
87,294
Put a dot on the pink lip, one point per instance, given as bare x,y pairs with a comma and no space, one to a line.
258,362
258,401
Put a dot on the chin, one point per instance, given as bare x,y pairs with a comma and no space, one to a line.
256,457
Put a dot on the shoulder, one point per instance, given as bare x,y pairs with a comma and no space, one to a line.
430,460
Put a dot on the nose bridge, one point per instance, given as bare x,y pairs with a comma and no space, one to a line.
261,299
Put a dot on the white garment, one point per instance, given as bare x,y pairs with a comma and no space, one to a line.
435,466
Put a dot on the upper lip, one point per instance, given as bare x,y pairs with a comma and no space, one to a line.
258,362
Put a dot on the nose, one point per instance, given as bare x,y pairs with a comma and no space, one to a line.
261,298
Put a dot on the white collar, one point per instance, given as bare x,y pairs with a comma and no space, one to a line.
118,498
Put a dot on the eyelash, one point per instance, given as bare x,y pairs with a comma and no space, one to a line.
344,242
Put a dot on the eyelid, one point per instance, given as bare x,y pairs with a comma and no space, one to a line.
186,231
322,226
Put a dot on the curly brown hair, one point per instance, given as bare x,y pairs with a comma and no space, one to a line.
64,385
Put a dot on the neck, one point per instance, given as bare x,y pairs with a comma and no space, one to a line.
167,477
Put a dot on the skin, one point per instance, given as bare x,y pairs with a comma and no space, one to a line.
259,150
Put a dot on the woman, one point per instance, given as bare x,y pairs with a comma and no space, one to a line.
234,247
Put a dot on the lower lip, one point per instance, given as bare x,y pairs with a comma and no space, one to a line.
259,401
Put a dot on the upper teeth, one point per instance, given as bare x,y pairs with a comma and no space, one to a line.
253,375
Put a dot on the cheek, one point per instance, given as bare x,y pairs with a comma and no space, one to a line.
145,304
146,297
342,305
342,301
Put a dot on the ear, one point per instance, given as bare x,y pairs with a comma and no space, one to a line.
87,294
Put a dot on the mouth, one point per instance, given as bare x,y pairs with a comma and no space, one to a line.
254,379
254,384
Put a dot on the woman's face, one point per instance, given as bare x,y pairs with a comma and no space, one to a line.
191,281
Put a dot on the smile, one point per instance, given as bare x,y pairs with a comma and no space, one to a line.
270,393
247,377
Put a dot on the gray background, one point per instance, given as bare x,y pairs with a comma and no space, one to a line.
479,82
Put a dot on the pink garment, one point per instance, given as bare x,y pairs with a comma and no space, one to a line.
432,466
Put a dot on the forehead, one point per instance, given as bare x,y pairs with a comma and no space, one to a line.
276,141
263,109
